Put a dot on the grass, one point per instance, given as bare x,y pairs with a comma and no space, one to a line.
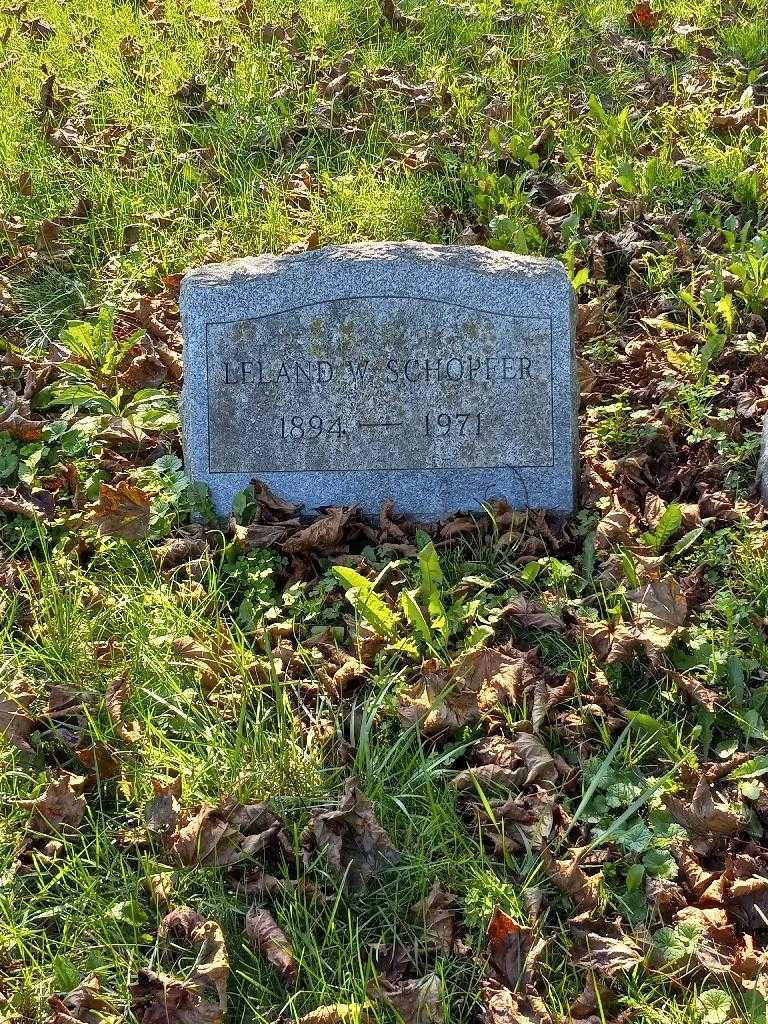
259,160
92,909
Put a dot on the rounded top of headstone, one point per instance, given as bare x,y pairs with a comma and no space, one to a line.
475,259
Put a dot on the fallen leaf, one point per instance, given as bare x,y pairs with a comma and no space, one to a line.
322,536
162,999
436,914
746,890
704,816
571,879
419,1001
117,692
660,611
356,845
100,759
177,550
338,1013
15,419
162,812
145,370
508,946
697,691
643,16
271,941
58,806
538,761
193,653
16,722
609,956
500,1006
530,615
37,29
122,511
211,966
397,18
84,1003
475,684
21,502
205,839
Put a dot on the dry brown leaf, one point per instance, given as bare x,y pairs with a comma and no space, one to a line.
660,611
540,764
20,501
531,615
271,505
271,941
16,722
60,805
117,692
419,1001
475,684
84,1003
263,535
397,18
609,956
162,812
122,511
100,759
356,845
571,879
161,999
509,945
704,816
436,914
205,839
322,536
145,370
15,420
746,890
522,821
211,967
177,550
338,1013
37,29
500,1006
738,118
615,527
592,1002
697,691
642,15
193,653
488,775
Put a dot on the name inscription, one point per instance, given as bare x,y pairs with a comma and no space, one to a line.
338,385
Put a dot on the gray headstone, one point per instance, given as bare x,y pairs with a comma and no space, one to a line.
762,465
439,376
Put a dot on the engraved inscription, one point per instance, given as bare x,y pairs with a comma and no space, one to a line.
350,385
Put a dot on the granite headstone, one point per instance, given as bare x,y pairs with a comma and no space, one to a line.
439,376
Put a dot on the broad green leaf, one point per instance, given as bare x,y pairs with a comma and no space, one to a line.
752,769
686,541
437,615
352,578
73,395
531,571
635,877
668,525
660,864
415,616
431,571
366,603
479,636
